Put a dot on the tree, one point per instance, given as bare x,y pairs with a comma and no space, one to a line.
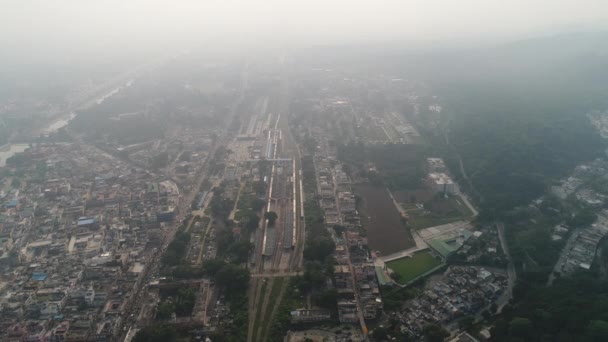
252,223
520,327
466,323
233,279
259,187
211,267
184,302
380,333
582,219
257,204
338,229
271,216
164,310
240,251
328,298
434,333
160,160
156,333
319,248
597,331
313,277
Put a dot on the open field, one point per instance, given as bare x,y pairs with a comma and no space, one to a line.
437,211
414,196
385,230
409,268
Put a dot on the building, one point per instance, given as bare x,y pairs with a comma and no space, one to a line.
347,311
435,165
309,316
442,183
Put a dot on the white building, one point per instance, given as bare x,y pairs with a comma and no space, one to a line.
441,182
435,164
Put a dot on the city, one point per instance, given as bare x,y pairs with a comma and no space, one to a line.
314,171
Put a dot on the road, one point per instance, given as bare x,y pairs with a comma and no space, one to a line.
134,305
512,275
563,254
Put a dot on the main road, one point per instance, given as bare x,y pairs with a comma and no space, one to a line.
504,300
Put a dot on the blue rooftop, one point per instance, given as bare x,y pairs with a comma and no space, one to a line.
39,276
12,204
85,221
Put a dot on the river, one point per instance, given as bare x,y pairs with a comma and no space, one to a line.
56,125
8,151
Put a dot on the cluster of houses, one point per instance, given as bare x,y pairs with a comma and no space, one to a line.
460,291
354,275
76,236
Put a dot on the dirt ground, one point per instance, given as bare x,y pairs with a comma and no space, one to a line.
385,230
419,196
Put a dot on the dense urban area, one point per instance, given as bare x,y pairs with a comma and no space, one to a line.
275,199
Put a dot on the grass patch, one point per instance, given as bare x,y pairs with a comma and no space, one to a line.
258,314
243,214
408,268
274,296
438,211
292,299
417,221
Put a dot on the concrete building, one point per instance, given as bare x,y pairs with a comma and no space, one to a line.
309,316
441,182
435,165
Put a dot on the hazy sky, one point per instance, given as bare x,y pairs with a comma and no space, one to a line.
70,26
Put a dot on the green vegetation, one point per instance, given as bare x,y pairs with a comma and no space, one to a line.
271,216
529,231
156,333
291,300
160,160
437,211
419,220
124,131
251,201
187,272
232,280
182,304
230,247
318,263
277,284
220,207
249,205
573,309
512,158
177,249
309,179
408,268
258,314
434,333
394,297
398,166
319,244
517,132
216,163
315,274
